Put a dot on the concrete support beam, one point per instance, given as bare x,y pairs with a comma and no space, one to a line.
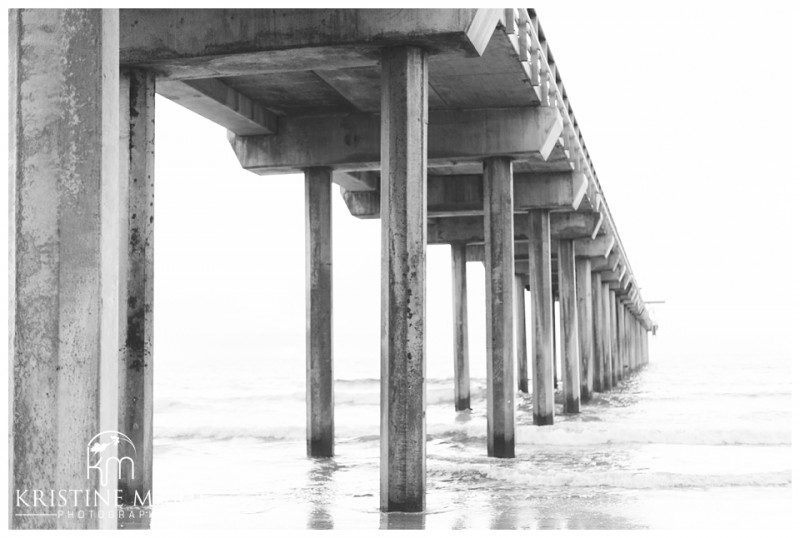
404,112
203,43
218,102
616,354
65,252
599,333
593,248
319,314
458,253
470,229
621,332
137,161
352,142
499,251
608,318
521,334
462,196
570,347
583,280
541,316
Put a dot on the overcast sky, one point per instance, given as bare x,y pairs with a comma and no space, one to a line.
683,107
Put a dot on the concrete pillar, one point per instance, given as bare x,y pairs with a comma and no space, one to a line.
65,252
556,352
583,281
498,208
620,334
319,314
647,347
608,311
522,340
570,348
599,333
460,334
404,119
541,315
137,160
614,349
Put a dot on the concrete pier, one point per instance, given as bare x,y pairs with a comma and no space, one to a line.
542,316
460,326
82,120
319,314
499,251
570,347
404,111
521,334
136,367
66,250
583,281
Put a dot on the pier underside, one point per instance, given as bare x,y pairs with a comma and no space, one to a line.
452,126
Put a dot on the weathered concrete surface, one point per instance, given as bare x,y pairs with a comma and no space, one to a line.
499,233
521,333
583,281
570,346
319,314
599,333
137,160
614,349
460,326
461,195
199,43
403,228
64,169
352,142
609,317
542,316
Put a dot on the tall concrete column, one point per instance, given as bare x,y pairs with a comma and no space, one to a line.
599,333
541,315
620,338
522,340
137,161
570,347
319,314
608,315
66,243
404,119
458,253
498,208
623,336
614,349
583,281
554,340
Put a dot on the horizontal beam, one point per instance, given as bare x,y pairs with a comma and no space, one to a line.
204,43
469,229
590,248
352,142
463,195
215,100
600,263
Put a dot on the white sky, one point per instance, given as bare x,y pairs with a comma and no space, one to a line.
683,106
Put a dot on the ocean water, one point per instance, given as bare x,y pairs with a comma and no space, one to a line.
685,443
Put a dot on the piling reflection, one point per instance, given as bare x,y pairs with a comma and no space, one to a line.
402,521
321,489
